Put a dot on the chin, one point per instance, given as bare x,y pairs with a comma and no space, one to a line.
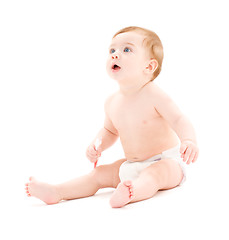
118,80
115,77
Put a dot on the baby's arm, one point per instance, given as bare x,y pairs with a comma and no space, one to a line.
108,133
180,124
108,136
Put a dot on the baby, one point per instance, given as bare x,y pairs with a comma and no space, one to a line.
156,137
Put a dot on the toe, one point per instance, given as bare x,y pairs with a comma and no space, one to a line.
127,183
130,186
31,178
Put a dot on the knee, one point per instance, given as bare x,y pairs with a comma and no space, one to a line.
107,175
157,175
167,173
96,174
100,176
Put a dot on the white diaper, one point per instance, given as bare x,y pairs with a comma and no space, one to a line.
130,170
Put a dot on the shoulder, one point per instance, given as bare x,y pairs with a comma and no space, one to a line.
157,94
109,100
164,104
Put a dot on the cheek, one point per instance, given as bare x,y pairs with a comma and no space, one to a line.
130,64
134,66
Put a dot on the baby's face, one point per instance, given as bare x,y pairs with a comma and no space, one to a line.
127,57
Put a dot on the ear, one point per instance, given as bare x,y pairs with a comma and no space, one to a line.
152,66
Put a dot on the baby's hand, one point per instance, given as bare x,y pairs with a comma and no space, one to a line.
189,151
93,154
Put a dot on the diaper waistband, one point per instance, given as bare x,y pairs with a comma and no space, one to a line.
171,152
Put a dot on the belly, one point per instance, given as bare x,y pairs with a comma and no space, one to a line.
144,142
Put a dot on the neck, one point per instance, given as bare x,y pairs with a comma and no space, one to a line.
132,89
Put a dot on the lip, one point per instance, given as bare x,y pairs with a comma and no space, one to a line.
115,67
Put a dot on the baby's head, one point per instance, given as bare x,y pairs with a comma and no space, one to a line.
152,44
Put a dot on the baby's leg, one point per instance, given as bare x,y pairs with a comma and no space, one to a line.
122,195
46,192
164,174
85,186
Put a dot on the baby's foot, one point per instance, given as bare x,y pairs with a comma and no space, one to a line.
122,195
45,192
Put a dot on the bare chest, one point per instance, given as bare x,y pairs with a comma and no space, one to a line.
135,114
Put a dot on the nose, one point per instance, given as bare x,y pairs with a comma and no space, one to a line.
115,56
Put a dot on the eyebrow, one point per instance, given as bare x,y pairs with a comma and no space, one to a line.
125,43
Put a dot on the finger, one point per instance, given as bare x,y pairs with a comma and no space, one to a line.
191,157
183,148
91,157
187,154
92,150
195,158
97,153
92,160
99,150
184,156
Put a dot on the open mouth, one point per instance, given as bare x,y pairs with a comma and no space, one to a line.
115,67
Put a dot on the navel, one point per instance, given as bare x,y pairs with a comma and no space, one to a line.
144,121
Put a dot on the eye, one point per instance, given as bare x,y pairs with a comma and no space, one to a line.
127,49
112,50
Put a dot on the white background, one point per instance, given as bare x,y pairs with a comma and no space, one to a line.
53,85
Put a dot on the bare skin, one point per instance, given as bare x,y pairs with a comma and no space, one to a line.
147,121
165,174
85,186
46,192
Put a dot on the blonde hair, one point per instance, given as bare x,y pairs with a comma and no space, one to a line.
152,42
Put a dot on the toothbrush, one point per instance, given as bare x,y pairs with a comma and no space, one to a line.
98,142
